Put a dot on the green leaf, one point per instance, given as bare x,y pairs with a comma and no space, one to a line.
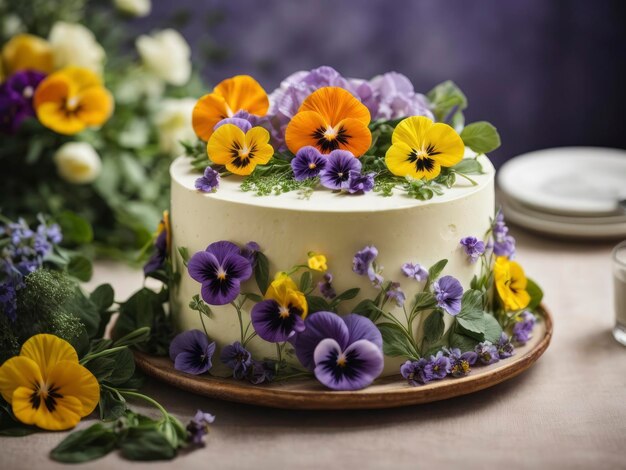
254,297
464,343
82,446
536,294
424,301
468,166
493,330
395,342
174,431
201,306
124,367
346,295
76,230
80,267
111,405
447,97
101,367
140,335
146,444
367,308
317,304
184,254
481,137
306,281
470,320
262,272
434,326
436,269
103,297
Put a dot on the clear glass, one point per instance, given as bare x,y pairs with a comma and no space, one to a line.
619,289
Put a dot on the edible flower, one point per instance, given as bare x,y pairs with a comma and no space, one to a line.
359,183
27,52
162,245
240,152
308,163
473,248
487,352
330,118
363,264
511,284
415,271
418,372
395,293
460,363
503,243
209,181
345,353
317,262
237,358
72,99
16,99
220,269
46,386
420,147
325,286
239,93
504,346
191,352
448,293
340,165
198,427
523,327
281,315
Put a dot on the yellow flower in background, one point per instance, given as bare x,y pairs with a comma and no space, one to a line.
284,291
317,262
46,386
239,93
420,147
511,284
77,162
240,152
72,99
27,52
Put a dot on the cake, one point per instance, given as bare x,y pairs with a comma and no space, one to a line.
327,231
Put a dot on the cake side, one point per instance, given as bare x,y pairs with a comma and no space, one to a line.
288,227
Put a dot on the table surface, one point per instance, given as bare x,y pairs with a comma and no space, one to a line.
567,411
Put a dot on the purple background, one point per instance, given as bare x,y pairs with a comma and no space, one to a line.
545,72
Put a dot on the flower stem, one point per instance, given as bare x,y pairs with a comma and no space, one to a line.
238,309
106,352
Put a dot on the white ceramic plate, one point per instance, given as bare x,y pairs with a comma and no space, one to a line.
568,180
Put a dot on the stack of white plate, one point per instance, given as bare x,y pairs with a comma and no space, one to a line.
570,192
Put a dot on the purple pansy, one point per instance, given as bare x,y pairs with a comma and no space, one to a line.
363,265
220,269
192,352
159,255
440,365
415,271
242,121
308,163
396,294
358,183
344,353
504,346
16,99
198,427
325,286
209,182
473,248
395,98
276,323
523,328
418,372
261,372
487,352
460,363
503,243
237,358
448,293
336,174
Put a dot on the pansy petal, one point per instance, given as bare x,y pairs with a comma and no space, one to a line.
301,128
446,142
244,93
336,104
187,341
270,325
96,106
47,350
75,380
257,138
192,363
319,325
224,141
202,266
223,249
220,292
208,111
242,124
358,136
360,327
238,267
18,371
412,131
81,77
55,118
397,160
66,414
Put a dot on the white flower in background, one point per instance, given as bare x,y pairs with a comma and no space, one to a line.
77,162
167,55
134,7
173,121
73,44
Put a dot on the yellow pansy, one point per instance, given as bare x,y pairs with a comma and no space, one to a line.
46,386
27,52
317,262
239,152
284,291
511,284
420,147
72,99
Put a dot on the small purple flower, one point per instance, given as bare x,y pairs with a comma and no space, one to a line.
325,286
191,352
460,363
487,352
198,427
336,174
160,253
308,163
363,264
440,366
396,294
448,293
8,300
237,358
209,182
395,97
16,99
220,269
418,372
261,372
415,271
503,243
250,250
473,248
345,353
504,346
244,124
523,328
358,183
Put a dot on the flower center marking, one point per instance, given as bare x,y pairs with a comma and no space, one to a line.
48,394
341,360
283,312
312,166
330,139
28,92
221,274
72,103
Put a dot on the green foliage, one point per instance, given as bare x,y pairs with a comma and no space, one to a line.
435,270
262,272
396,342
199,305
470,320
434,326
536,294
318,304
448,103
481,137
276,178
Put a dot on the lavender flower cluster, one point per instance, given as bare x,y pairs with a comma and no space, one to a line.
22,251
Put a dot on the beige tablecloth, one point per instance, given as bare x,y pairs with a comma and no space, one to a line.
568,411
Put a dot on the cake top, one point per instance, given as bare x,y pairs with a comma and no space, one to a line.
320,132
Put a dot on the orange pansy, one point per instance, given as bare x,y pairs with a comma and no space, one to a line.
329,119
239,93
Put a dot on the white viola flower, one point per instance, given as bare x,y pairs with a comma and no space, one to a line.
77,162
74,44
134,7
173,121
167,55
